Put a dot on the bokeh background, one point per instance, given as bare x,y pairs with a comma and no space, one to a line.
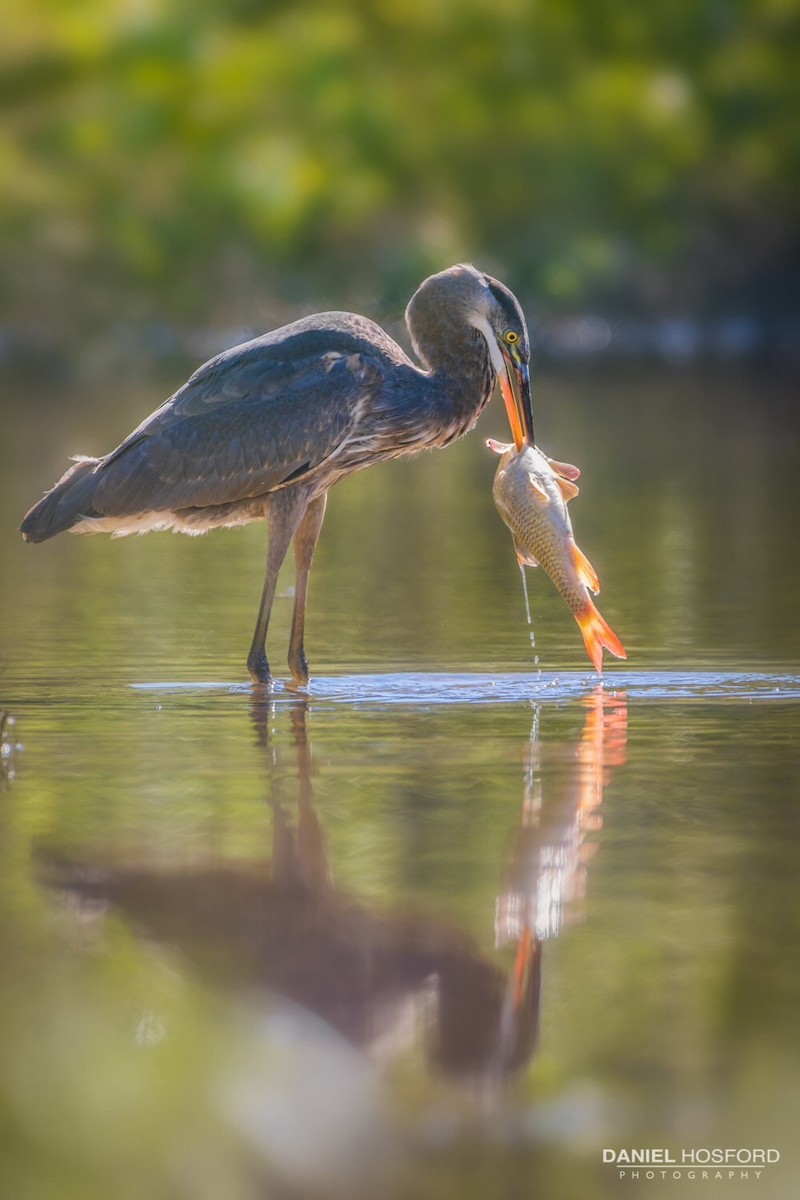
177,177
167,166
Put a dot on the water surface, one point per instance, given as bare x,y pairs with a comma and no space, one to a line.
454,921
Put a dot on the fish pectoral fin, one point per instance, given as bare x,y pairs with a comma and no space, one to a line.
499,447
523,557
568,490
566,469
538,490
586,572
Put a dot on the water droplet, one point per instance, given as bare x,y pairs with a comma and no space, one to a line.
532,634
525,594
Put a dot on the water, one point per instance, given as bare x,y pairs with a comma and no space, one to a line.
450,924
529,619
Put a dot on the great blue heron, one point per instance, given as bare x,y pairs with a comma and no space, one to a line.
266,428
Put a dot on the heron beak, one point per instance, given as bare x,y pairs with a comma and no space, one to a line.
515,384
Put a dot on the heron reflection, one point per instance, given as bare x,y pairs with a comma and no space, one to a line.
382,977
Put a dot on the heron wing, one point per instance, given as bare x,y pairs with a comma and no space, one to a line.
244,424
267,364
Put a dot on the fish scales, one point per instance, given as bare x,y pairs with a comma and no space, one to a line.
539,531
531,493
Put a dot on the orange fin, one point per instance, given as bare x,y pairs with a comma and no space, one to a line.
597,634
524,965
568,490
586,572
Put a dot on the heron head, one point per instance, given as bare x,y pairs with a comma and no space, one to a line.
473,298
502,322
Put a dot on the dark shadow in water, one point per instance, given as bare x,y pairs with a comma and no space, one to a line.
285,927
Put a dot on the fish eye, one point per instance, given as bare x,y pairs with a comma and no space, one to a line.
511,337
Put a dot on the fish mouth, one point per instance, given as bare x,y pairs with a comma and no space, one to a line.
515,384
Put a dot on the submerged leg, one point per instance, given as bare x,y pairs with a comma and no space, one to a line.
284,514
305,541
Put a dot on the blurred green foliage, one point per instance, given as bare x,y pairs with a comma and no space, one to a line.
186,158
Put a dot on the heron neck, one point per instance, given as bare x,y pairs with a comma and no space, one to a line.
461,370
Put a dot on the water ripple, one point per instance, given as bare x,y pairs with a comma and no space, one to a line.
435,688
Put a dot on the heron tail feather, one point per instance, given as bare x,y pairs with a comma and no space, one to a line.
67,502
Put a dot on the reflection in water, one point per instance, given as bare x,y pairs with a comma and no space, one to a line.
377,976
546,878
326,983
8,749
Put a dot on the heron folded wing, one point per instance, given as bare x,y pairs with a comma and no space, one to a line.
268,366
242,448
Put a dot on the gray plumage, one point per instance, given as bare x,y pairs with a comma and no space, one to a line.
266,428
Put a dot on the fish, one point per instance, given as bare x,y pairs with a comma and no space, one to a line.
531,493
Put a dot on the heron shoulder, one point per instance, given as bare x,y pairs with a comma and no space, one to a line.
307,338
269,364
294,359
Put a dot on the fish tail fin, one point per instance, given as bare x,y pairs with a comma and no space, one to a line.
598,634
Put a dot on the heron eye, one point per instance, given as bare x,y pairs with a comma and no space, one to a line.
511,337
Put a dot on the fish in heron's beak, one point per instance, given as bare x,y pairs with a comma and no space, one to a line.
515,384
531,494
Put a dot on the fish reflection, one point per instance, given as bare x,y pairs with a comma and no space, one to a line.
545,881
381,978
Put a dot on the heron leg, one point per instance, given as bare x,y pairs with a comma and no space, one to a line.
305,541
285,513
